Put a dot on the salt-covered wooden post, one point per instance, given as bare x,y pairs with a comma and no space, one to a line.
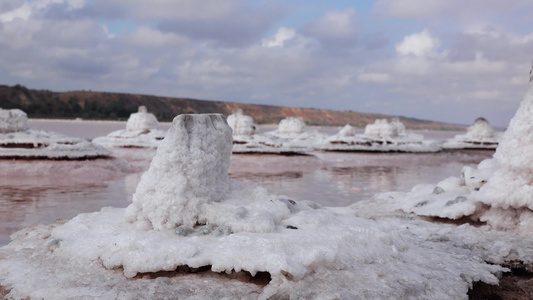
13,120
190,169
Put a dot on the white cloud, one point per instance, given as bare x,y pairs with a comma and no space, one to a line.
518,39
418,44
207,10
27,8
147,37
23,12
338,24
480,65
416,66
449,9
518,80
278,40
58,48
485,94
373,77
414,8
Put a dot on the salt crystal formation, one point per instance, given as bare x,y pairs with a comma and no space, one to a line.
13,120
478,136
383,129
291,125
191,232
497,192
19,142
241,124
246,141
293,133
510,187
141,132
190,169
142,120
347,131
381,136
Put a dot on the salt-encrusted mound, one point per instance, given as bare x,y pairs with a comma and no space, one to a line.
13,120
497,192
17,141
293,133
141,132
347,131
194,233
241,123
383,129
291,125
141,120
381,136
246,141
478,136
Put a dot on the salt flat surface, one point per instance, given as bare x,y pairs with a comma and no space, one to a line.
87,129
188,216
331,179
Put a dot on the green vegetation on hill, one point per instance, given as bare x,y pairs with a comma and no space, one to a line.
113,106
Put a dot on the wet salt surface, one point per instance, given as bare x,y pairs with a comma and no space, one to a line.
331,179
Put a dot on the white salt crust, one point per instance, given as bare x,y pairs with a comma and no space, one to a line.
141,132
381,136
375,249
478,136
13,120
246,140
497,192
186,214
19,142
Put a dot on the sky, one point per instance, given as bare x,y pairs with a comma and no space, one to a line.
442,60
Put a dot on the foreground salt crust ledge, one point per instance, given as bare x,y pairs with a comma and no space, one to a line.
495,196
192,231
497,192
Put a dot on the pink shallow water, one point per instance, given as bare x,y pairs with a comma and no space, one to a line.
44,191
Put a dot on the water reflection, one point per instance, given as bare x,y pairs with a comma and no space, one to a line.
342,179
25,205
331,179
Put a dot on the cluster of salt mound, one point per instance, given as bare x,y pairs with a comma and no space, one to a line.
141,132
17,141
381,136
293,133
246,140
192,232
478,136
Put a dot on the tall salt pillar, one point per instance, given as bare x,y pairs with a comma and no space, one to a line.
189,170
511,186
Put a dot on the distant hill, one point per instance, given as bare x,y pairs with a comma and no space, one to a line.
113,106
